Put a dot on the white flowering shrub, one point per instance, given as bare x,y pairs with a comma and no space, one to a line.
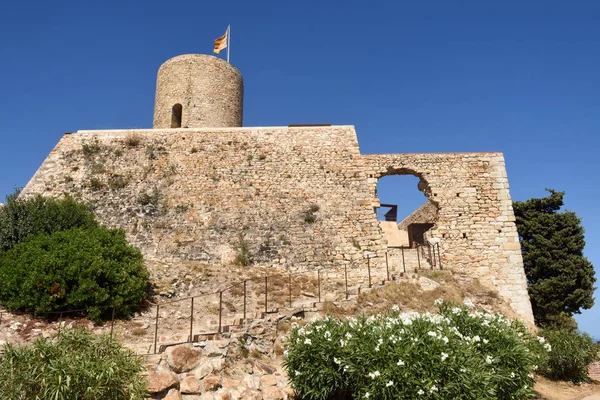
457,353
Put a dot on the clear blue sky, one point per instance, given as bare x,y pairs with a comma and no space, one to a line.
521,77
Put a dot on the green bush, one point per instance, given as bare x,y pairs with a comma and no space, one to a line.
21,218
93,268
572,352
77,365
456,354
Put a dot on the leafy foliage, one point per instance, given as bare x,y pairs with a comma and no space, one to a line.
456,354
242,247
93,268
572,353
560,279
76,365
21,218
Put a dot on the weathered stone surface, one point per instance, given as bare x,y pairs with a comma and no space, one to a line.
183,358
190,385
159,381
268,380
272,393
263,368
211,383
252,394
204,369
211,350
245,176
230,383
173,394
223,395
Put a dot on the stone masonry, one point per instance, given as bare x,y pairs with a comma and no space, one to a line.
300,198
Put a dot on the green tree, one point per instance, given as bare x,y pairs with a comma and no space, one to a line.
80,268
560,279
22,217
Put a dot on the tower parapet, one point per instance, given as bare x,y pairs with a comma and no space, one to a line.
198,91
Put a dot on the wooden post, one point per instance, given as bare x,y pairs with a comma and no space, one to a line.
192,321
156,328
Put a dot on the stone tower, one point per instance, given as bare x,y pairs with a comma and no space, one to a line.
198,91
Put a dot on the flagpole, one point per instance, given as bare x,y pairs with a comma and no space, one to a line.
228,40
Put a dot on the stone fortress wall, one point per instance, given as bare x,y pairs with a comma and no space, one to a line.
191,193
300,197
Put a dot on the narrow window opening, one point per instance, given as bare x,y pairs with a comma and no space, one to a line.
176,116
464,235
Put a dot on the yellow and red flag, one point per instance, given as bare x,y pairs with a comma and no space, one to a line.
221,43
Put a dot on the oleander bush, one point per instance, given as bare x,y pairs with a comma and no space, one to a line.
458,353
76,365
572,353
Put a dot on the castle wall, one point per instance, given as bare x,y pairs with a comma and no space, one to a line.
301,197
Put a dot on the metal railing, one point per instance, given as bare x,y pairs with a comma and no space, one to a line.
286,282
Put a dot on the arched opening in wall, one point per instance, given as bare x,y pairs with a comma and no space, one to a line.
406,214
176,116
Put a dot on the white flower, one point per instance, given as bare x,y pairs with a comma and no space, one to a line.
327,334
468,303
307,341
335,360
390,383
489,359
367,395
444,356
486,341
400,363
433,389
445,339
541,339
438,302
548,347
512,375
375,374
420,392
476,338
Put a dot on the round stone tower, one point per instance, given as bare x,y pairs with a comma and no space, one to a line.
198,91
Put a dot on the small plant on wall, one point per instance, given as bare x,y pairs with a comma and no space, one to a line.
242,247
309,215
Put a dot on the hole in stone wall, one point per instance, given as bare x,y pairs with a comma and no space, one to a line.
176,116
406,213
464,235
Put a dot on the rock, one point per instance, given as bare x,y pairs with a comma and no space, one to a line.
210,350
230,383
217,364
222,396
211,383
159,381
251,381
203,370
183,358
291,393
173,395
263,368
272,393
193,397
190,385
251,394
268,380
427,284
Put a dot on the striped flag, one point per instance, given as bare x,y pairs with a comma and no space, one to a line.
221,43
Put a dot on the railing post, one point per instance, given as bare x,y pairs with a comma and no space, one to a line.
266,291
319,283
403,262
431,260
439,255
112,322
290,287
156,328
369,269
346,279
192,321
387,266
418,257
244,302
220,309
